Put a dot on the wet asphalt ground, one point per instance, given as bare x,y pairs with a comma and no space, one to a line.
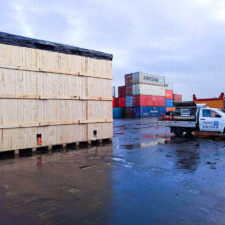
146,177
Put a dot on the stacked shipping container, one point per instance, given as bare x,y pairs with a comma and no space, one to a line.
169,100
144,95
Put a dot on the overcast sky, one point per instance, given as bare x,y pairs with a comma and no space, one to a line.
181,39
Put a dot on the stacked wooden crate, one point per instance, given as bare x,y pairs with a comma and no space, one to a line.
59,92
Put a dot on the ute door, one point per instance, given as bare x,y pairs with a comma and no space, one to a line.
210,120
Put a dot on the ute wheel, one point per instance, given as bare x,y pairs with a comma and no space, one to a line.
189,133
178,131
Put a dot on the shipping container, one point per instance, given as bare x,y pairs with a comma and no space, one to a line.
117,102
117,112
169,94
114,91
148,111
113,102
122,91
211,102
122,101
52,94
169,103
177,98
148,100
129,112
169,86
128,80
129,90
147,78
129,101
147,89
170,109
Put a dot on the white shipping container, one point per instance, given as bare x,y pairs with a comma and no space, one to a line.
113,91
147,78
169,86
148,89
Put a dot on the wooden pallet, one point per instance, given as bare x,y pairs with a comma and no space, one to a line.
52,148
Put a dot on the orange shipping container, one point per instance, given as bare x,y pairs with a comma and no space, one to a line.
168,109
211,102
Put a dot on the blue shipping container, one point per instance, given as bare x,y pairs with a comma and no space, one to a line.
148,111
117,112
169,103
129,101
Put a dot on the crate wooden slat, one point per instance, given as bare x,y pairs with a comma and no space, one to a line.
64,97
18,82
23,58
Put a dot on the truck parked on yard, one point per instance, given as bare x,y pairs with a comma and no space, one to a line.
189,117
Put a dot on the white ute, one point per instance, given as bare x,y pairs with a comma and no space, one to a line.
205,119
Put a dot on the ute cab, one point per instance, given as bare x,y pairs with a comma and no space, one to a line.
211,120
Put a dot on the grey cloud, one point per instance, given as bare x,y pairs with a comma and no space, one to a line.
181,39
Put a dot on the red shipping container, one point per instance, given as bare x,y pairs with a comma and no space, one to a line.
122,91
128,79
169,94
122,102
117,102
129,90
129,112
149,100
113,102
177,98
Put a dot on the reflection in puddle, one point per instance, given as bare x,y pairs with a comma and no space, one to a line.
155,142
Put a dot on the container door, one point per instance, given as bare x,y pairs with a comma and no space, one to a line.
210,120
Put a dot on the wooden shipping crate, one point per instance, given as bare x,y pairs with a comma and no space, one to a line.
64,97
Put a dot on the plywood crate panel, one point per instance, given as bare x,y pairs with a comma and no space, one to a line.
49,85
100,110
21,138
104,131
95,87
38,60
15,82
64,86
20,112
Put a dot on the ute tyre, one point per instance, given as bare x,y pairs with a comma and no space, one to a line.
178,132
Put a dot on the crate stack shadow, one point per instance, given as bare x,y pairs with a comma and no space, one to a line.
144,95
52,94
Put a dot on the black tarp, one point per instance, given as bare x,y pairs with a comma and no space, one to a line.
187,104
16,40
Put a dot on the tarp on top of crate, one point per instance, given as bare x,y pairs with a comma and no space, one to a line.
16,40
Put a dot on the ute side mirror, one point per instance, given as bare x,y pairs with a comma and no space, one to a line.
218,116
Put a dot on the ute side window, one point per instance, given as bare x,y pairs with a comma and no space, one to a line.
210,113
215,114
206,113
